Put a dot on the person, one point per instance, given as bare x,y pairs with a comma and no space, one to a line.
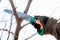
39,23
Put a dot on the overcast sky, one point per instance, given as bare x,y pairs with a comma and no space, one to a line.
38,7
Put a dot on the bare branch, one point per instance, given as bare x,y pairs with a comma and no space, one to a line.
2,31
10,28
14,10
18,28
17,19
25,24
30,36
6,20
7,31
28,5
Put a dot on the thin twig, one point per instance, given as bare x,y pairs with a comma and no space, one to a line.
10,28
5,20
25,25
4,27
30,36
2,31
7,31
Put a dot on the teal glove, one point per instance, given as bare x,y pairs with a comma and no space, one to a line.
33,20
41,32
37,26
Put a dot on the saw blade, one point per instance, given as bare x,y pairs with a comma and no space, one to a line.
20,14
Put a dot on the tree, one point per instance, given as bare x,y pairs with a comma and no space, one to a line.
18,19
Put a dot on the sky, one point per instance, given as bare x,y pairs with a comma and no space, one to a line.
50,8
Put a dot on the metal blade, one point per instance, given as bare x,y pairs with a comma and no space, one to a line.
20,15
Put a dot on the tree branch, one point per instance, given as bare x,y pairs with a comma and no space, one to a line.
10,28
18,19
7,31
28,6
25,24
14,10
30,36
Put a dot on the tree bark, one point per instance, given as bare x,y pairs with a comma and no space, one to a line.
18,20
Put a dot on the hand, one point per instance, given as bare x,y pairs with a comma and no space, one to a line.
38,22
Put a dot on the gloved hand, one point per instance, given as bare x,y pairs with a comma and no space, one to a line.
37,24
33,22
